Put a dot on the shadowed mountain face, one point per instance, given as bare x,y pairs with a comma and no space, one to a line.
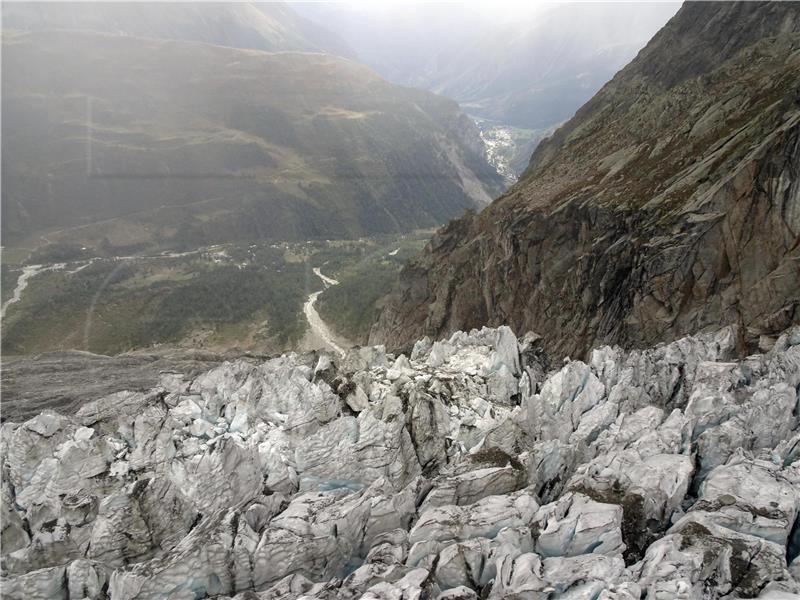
670,203
532,72
174,143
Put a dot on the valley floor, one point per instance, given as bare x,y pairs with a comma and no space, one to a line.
251,297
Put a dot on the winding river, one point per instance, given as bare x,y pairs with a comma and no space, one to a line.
30,271
320,333
22,282
315,322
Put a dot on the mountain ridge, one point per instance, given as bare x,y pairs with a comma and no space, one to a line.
630,225
531,72
172,130
269,26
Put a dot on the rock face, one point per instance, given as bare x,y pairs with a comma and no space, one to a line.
470,469
670,204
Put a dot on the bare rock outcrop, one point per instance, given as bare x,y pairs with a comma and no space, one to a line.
669,205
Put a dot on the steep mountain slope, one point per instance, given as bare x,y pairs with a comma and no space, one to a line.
141,142
532,72
270,26
670,203
539,75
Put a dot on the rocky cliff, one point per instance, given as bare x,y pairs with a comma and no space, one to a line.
469,470
669,204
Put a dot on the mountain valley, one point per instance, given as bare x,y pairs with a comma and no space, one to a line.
246,356
529,71
667,205
208,162
225,299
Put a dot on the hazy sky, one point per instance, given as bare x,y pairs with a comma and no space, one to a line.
501,9
498,11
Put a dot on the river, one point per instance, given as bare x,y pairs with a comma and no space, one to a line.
30,271
22,282
320,332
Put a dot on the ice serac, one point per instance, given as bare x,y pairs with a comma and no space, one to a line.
471,469
669,205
